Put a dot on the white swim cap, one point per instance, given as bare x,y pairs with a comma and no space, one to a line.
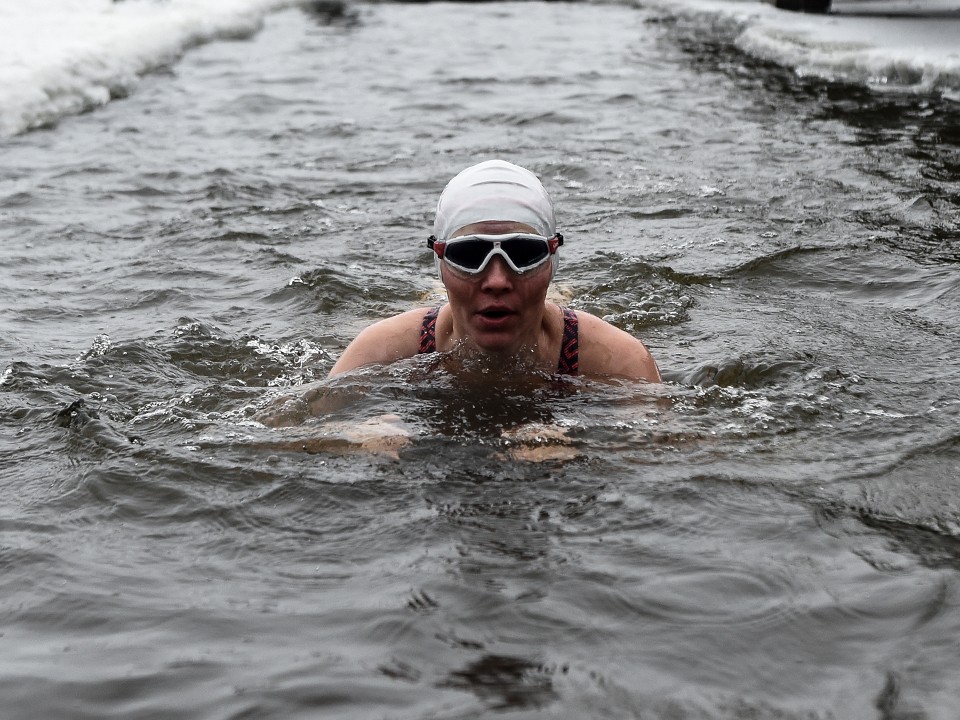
494,190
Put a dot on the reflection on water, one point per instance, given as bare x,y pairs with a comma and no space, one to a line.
505,682
198,522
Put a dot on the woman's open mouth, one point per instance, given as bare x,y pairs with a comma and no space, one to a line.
494,318
495,313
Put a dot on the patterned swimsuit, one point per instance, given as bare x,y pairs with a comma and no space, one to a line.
569,363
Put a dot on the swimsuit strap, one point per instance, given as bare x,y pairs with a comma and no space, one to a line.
428,332
570,345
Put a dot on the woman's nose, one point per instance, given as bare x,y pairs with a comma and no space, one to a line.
498,274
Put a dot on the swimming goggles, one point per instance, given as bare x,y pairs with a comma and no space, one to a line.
472,253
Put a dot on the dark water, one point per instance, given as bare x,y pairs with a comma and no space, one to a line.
772,533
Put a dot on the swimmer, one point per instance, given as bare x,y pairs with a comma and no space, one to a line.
495,246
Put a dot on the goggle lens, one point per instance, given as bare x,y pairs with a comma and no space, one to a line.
523,252
472,253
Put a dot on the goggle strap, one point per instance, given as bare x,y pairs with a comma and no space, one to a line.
436,245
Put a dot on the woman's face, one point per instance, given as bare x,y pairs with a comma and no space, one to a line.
497,310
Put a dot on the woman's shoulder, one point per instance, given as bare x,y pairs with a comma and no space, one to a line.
386,341
607,350
396,326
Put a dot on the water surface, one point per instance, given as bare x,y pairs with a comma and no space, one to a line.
773,532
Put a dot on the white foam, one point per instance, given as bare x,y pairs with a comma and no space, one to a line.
59,57
903,44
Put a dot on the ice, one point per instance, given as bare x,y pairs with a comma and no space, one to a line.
62,57
902,45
